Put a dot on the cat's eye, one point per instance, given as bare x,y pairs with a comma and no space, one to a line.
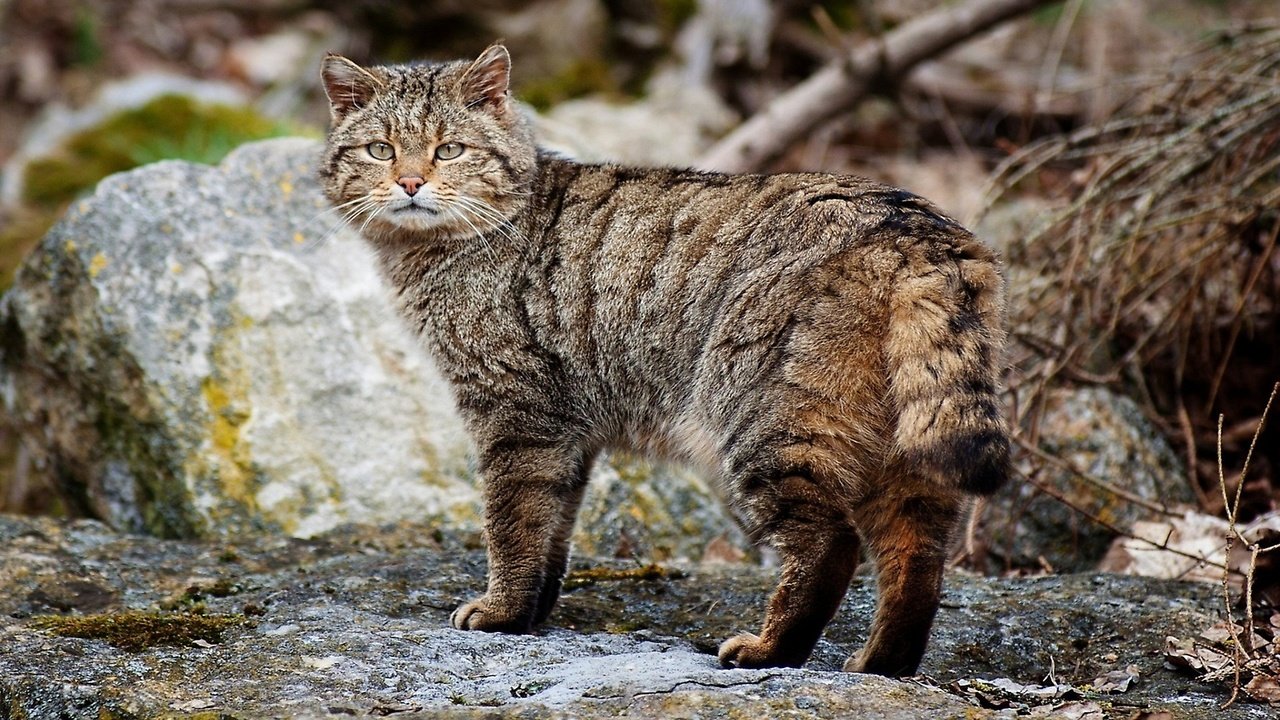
450,150
381,151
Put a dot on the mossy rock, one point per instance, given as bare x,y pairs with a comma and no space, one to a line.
167,127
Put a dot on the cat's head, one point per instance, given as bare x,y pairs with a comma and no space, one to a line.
431,147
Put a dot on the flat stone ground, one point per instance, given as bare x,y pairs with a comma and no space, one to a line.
355,624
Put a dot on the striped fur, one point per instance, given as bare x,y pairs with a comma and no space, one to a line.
825,347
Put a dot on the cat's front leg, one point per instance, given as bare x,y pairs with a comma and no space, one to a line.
531,493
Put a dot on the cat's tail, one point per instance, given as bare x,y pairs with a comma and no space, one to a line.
943,351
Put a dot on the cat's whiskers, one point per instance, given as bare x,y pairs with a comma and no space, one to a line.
525,193
454,212
488,226
491,217
345,213
377,202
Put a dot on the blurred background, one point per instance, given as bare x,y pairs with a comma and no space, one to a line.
1122,155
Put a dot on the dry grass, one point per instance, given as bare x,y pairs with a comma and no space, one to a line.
1159,270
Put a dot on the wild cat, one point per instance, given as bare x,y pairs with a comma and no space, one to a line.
825,347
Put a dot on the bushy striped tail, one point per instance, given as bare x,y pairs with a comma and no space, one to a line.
943,351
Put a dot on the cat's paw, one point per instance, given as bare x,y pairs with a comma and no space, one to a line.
744,651
750,651
482,614
854,664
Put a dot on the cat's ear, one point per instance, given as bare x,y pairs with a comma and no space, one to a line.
348,85
486,82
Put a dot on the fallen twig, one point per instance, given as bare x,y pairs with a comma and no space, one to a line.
843,83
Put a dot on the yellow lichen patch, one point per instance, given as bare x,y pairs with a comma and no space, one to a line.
70,246
176,268
231,453
97,264
286,187
645,573
136,630
227,397
298,239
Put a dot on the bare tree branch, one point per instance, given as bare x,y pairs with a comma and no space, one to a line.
843,83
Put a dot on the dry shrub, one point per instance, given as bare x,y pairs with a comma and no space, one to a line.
1244,653
1158,273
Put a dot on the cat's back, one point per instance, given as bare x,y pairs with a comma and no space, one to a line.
638,214
663,280
666,244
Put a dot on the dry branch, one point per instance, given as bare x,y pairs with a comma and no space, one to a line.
1242,651
843,83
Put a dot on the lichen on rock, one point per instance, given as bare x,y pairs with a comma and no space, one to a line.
185,367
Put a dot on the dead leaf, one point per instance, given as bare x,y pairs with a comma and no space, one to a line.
1116,681
1221,633
1264,688
1191,655
721,551
1071,710
1034,691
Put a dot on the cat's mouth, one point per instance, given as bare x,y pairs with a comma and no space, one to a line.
415,209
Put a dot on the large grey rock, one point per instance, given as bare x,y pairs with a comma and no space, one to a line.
200,350
354,623
1096,433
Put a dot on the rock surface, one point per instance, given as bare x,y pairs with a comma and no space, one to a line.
354,624
672,125
1096,433
200,350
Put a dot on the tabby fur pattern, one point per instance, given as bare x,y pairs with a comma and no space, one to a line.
826,348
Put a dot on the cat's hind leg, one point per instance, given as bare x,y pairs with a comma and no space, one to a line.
531,492
909,535
819,552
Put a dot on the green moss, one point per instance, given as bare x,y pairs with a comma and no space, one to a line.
645,573
168,127
845,14
1049,15
124,431
583,77
137,630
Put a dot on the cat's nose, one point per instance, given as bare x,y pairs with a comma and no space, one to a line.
410,184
